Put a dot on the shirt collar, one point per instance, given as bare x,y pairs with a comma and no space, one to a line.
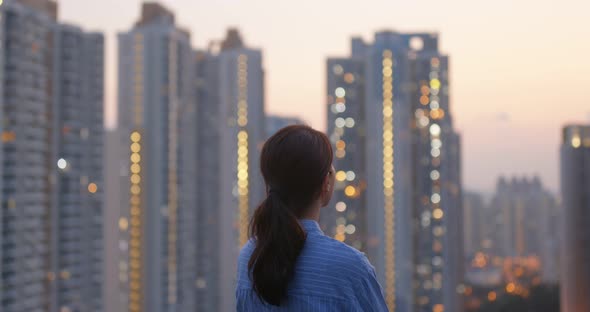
311,226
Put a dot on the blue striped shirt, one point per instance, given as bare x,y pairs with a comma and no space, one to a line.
329,276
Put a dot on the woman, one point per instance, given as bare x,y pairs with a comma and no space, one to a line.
289,264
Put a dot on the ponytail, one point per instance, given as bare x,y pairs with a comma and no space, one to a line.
279,241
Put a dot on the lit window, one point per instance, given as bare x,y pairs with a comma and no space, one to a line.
50,276
423,121
339,122
437,261
62,164
436,143
92,188
510,287
576,142
435,129
340,92
350,229
123,224
340,176
135,137
416,43
340,154
435,152
438,308
438,231
135,147
424,100
8,136
434,175
437,213
350,175
350,191
461,289
337,69
492,296
435,84
340,144
340,107
349,78
349,122
340,206
64,275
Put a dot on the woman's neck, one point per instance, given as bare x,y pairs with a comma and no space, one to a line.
313,212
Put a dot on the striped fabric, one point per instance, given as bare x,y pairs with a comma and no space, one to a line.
329,276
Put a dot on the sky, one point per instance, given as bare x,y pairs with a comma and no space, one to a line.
520,69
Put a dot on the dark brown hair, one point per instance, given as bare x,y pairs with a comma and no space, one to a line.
294,163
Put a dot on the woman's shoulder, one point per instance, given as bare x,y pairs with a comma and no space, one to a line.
248,248
341,255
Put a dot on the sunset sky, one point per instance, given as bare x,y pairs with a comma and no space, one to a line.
520,69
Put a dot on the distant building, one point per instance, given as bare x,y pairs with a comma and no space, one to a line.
115,167
575,193
276,123
52,140
26,155
526,223
157,116
476,221
231,131
397,156
77,211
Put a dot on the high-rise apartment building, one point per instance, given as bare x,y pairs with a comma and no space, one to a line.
26,52
398,195
156,120
527,221
346,219
52,105
76,258
575,193
477,223
231,126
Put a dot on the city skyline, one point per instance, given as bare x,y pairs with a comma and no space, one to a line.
488,107
174,185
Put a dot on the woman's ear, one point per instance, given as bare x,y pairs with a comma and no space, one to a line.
328,187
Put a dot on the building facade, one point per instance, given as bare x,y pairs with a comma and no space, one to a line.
156,115
52,130
575,193
26,157
527,220
232,126
398,195
477,221
76,261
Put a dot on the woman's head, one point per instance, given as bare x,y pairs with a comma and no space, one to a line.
296,164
